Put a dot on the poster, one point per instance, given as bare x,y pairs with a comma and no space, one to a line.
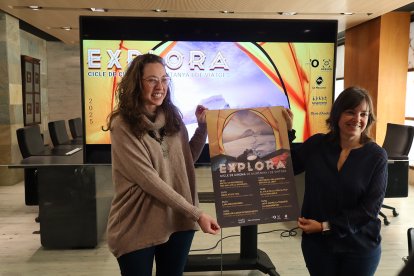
251,166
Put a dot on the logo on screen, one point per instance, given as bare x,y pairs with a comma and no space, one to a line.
326,65
314,63
319,80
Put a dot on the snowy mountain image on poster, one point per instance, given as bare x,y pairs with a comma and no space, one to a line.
248,136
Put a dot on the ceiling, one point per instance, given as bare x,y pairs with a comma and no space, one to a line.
55,15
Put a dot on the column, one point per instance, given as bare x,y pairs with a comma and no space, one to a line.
11,105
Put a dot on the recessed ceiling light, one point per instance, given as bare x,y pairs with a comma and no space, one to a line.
98,9
159,10
347,13
34,8
287,13
66,28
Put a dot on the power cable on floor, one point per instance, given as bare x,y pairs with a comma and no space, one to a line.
285,233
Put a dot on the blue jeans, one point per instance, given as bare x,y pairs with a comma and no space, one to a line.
170,257
321,261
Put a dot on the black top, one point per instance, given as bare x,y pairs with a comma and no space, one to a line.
349,199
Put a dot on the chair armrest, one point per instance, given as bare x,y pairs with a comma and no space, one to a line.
397,157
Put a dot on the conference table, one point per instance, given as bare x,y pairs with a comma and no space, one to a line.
74,198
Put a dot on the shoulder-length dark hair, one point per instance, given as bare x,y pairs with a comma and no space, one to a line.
130,104
350,98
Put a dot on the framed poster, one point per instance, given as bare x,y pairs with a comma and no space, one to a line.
31,90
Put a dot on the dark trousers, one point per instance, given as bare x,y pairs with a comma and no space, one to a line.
321,261
170,257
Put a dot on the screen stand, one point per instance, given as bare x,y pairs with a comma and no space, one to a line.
249,258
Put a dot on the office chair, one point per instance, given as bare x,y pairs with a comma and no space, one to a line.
75,127
397,144
30,142
59,135
410,239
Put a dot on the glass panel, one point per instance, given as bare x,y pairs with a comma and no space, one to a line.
29,76
339,87
411,48
36,77
411,154
29,109
409,100
37,108
340,64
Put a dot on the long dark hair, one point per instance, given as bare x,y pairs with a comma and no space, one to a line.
350,98
130,105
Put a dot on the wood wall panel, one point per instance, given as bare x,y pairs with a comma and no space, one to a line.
362,58
393,66
376,58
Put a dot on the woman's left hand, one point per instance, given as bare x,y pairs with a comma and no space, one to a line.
309,226
201,114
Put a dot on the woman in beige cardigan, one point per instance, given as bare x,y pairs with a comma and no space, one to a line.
154,212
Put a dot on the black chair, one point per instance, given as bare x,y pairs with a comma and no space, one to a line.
59,135
75,127
30,142
408,269
397,143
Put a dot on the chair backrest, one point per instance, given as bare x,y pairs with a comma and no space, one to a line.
58,133
398,139
30,140
75,127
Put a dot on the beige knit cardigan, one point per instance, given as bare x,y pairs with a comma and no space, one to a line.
155,195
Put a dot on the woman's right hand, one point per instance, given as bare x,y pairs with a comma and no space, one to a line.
310,226
288,115
208,224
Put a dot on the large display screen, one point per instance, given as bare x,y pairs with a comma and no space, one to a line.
229,70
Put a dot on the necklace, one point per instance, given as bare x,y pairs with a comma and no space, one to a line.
159,137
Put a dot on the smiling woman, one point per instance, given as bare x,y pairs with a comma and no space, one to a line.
352,116
154,213
155,85
346,176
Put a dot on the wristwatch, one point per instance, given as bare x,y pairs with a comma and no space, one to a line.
326,228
